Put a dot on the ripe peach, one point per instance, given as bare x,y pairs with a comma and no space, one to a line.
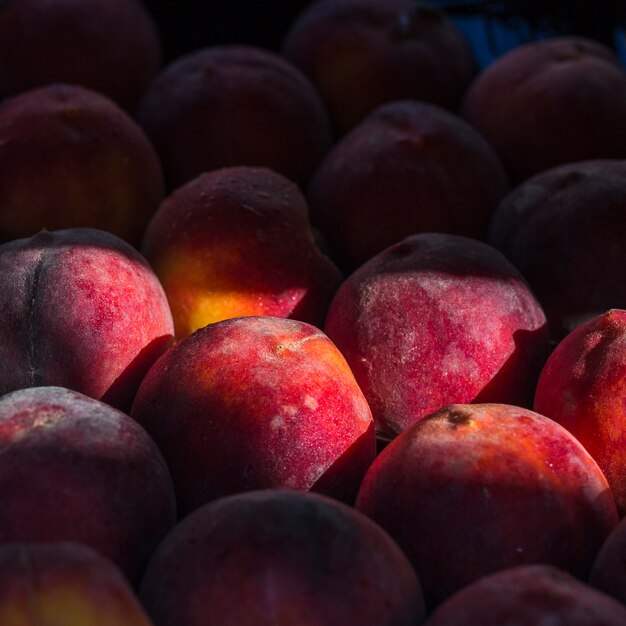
529,595
80,309
362,53
69,157
236,242
255,403
110,46
474,489
75,469
583,387
64,583
551,102
553,224
280,558
409,167
234,105
438,319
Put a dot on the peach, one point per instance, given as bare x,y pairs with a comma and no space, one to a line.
234,105
474,489
257,403
69,157
236,242
80,309
609,568
563,230
438,319
583,387
110,46
537,595
363,53
409,167
75,469
280,558
551,102
64,583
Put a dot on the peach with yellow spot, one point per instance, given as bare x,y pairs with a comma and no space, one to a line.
583,387
256,403
237,242
64,584
474,489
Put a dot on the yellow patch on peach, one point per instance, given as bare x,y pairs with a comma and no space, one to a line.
60,605
202,289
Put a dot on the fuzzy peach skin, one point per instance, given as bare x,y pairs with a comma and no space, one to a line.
551,102
234,105
70,157
438,319
529,595
110,46
80,309
474,489
64,584
583,387
362,53
257,403
563,230
236,242
280,558
410,167
75,469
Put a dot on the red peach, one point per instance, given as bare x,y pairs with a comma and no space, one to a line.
362,53
257,403
70,158
474,489
551,102
236,242
529,595
110,46
409,167
75,469
280,558
563,230
234,105
64,583
80,309
583,387
438,319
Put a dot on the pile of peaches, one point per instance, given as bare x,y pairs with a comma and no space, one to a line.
334,336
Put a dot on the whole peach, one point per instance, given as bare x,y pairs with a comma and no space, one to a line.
583,387
474,489
74,469
80,309
110,46
551,102
409,167
235,242
234,105
529,595
69,157
563,230
280,558
362,53
48,584
256,403
438,319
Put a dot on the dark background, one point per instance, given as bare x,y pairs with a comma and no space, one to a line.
492,26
